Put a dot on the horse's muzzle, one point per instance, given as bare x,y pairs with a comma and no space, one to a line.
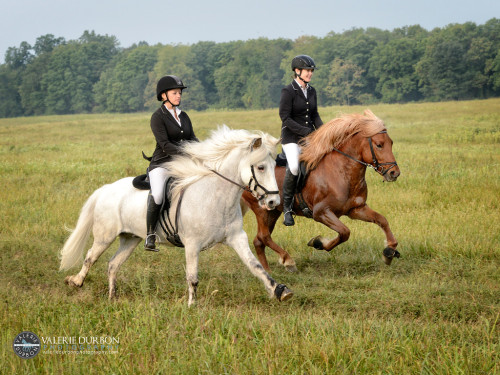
270,202
392,174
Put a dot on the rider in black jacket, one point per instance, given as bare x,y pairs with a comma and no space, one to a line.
299,115
171,127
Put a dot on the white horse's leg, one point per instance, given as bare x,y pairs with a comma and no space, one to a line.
127,245
192,253
239,242
98,247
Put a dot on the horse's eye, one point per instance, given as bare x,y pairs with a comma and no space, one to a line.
379,146
261,168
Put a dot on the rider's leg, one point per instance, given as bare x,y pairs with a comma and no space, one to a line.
292,152
157,179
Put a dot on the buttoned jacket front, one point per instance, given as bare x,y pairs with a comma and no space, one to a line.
169,135
299,115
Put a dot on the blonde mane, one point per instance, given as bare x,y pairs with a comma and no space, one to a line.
335,133
198,157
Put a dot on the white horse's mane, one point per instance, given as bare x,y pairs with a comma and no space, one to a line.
198,158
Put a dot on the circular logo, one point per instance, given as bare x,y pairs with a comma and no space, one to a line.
26,345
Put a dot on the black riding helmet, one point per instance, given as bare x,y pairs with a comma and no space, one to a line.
168,83
303,62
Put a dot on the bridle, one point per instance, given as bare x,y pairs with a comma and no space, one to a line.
248,187
378,167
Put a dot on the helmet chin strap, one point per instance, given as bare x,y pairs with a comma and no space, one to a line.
172,104
302,79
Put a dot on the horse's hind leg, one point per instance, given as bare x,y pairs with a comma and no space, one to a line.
192,254
128,243
98,247
265,224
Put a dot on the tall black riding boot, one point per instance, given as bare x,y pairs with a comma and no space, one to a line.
289,184
151,220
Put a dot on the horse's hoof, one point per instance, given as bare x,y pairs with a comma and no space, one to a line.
286,295
291,268
69,281
316,243
282,293
389,254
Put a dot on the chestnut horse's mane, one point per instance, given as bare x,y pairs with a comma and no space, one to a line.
335,133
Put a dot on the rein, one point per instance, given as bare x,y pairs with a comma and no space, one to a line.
247,187
378,167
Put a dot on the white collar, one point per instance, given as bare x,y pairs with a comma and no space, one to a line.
177,111
300,86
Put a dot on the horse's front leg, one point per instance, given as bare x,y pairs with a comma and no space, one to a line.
365,213
327,217
239,242
265,224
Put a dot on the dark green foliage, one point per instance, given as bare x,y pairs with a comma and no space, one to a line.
121,86
358,66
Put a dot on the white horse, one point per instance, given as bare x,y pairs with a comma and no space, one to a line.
211,174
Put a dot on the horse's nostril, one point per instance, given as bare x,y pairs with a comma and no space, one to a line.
271,204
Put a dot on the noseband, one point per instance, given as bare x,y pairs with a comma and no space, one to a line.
248,187
258,185
378,167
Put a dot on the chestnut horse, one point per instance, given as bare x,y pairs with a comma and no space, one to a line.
335,157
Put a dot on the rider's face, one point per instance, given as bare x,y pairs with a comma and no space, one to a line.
305,74
173,96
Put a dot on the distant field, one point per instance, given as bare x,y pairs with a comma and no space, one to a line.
436,310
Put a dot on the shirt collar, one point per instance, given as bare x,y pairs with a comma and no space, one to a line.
177,109
300,86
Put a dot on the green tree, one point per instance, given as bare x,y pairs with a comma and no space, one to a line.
173,60
10,101
121,86
393,66
17,58
73,69
346,82
46,43
442,70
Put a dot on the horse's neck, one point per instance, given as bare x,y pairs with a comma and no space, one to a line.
345,170
230,170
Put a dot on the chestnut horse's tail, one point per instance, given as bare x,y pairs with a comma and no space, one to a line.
72,250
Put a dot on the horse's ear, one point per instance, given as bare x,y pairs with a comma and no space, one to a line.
256,143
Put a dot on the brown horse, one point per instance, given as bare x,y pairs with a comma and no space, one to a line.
336,157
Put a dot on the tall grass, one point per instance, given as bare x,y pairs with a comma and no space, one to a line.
434,311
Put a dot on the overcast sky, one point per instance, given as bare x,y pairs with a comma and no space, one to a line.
190,21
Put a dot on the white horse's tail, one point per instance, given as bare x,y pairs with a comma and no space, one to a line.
72,250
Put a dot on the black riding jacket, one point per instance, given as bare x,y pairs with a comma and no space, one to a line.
299,115
169,135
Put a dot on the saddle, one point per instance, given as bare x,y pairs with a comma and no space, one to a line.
301,182
141,182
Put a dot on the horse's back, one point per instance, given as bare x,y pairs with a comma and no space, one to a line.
122,206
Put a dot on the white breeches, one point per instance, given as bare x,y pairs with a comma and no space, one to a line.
157,178
292,152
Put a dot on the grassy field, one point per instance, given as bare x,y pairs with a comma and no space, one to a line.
436,310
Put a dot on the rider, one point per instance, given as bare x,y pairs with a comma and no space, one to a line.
170,126
299,115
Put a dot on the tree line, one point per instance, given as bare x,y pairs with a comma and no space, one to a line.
358,66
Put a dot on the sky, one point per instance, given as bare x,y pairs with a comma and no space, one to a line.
191,21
